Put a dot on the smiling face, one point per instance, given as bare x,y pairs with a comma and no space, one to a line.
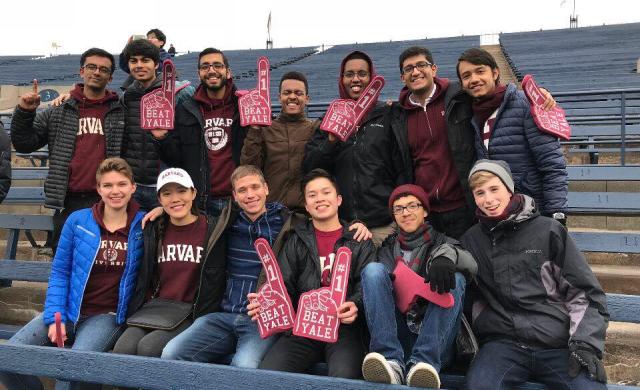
251,195
418,81
176,201
407,219
355,77
478,80
142,68
215,76
98,78
116,190
492,197
321,199
293,96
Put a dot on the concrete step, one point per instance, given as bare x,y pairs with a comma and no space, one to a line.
622,353
618,278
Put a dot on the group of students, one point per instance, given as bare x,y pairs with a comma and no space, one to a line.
454,181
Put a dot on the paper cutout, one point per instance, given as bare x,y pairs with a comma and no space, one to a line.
408,286
157,108
343,115
554,121
59,341
276,311
317,317
255,105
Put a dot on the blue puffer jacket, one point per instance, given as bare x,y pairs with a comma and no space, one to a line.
77,249
535,158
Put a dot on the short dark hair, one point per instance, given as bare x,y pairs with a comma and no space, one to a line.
317,174
212,50
295,76
94,51
159,34
357,55
142,47
415,51
477,56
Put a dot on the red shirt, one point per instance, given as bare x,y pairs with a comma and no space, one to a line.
326,242
180,259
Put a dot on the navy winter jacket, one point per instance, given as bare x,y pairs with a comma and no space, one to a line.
77,249
535,157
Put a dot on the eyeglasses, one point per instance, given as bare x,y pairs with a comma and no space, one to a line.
350,74
94,67
411,207
216,65
420,65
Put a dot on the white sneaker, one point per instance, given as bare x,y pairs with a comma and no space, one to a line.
423,375
375,368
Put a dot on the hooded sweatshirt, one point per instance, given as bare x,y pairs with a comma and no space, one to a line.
90,147
433,165
217,116
101,291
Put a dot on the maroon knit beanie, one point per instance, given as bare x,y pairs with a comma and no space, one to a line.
410,189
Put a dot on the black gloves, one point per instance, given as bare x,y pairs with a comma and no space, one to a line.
584,356
441,274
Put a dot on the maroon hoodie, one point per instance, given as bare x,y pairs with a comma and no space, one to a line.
90,148
428,141
101,292
343,91
218,121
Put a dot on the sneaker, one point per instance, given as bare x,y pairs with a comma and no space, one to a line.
423,375
375,368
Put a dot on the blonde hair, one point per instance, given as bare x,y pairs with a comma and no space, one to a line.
114,164
479,178
246,170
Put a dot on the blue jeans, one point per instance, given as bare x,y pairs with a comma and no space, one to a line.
147,197
216,205
390,336
214,336
94,333
504,365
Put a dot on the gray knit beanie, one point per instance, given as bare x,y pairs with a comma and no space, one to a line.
498,168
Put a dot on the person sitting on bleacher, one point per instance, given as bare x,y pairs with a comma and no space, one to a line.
92,275
505,130
5,163
539,312
80,133
413,344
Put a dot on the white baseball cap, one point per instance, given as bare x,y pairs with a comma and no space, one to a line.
174,175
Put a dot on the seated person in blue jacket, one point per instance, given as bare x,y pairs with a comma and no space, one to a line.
414,346
539,312
174,252
92,275
505,130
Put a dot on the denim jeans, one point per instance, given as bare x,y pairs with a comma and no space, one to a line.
215,336
216,205
147,197
93,333
504,365
390,336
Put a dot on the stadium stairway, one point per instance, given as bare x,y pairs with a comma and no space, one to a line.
506,74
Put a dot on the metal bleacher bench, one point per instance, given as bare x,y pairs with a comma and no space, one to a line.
600,203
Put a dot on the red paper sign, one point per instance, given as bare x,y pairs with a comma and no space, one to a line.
59,341
276,312
553,121
318,309
157,108
255,106
344,114
408,286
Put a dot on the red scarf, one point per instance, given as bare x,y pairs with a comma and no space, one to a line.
483,108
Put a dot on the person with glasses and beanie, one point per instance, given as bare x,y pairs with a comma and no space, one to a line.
538,310
208,139
87,128
412,347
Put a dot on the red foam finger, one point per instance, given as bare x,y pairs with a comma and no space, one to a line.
263,78
59,341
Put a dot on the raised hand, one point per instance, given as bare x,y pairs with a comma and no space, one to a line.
30,100
255,105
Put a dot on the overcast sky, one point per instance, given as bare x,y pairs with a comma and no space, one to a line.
29,27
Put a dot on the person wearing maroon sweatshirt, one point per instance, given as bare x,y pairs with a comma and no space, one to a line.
207,139
174,250
80,133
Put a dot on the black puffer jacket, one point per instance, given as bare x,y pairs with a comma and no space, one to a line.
534,285
5,164
185,146
300,263
58,127
460,134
